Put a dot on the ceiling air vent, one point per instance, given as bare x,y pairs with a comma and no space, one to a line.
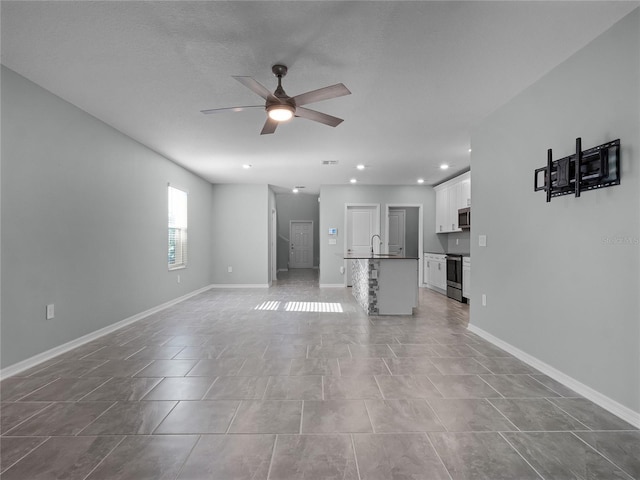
329,162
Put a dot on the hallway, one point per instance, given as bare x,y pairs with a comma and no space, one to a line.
296,382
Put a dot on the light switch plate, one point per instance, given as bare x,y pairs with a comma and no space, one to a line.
333,241
50,311
482,240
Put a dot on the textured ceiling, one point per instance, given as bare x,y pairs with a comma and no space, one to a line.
421,75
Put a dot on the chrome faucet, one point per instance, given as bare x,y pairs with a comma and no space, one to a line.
380,239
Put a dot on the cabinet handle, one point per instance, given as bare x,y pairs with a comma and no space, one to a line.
452,227
427,264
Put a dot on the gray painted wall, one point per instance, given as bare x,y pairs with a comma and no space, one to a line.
240,234
300,206
332,207
458,242
84,223
561,278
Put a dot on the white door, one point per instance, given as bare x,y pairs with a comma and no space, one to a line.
397,231
362,224
301,238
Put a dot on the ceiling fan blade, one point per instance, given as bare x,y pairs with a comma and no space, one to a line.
230,109
256,87
269,126
318,116
337,90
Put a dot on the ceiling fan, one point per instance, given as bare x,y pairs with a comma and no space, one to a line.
281,107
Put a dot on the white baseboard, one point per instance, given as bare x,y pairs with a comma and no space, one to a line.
90,337
332,285
239,285
625,413
435,289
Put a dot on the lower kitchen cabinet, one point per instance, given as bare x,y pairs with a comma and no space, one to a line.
435,271
466,277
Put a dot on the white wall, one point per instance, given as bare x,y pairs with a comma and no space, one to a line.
558,286
332,207
240,234
84,223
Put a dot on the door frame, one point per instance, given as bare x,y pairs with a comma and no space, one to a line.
376,228
274,244
291,222
420,232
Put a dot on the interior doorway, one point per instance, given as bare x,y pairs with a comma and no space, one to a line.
411,215
397,231
301,240
362,221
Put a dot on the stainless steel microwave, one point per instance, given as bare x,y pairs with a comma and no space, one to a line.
464,218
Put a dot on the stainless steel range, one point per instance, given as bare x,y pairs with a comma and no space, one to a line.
454,277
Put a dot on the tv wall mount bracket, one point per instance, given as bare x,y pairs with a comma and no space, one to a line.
597,167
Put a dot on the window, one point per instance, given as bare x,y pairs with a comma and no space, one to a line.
177,228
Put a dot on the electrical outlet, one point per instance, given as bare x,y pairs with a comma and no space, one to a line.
484,300
50,311
229,269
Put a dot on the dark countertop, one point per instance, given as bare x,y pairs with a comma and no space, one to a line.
376,256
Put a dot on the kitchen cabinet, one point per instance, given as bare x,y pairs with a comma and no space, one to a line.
466,277
435,271
450,197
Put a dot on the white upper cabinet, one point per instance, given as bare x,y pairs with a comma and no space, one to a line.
450,197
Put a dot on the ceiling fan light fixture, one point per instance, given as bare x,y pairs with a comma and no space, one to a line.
280,113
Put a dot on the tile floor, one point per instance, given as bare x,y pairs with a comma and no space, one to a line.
214,388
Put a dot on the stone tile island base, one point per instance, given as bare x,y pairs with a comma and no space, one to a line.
385,286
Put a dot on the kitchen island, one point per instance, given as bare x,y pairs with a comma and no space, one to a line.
385,284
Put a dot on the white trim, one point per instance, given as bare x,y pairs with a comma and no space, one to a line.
239,285
64,348
619,410
332,285
283,269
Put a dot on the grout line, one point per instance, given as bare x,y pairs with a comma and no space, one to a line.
381,392
273,454
500,412
567,413
233,418
105,457
373,428
355,456
602,454
102,384
195,444
521,456
301,417
438,455
208,389
385,364
322,385
95,419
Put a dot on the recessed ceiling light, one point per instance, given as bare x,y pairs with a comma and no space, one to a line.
469,150
360,167
353,180
247,166
444,166
295,190
421,180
